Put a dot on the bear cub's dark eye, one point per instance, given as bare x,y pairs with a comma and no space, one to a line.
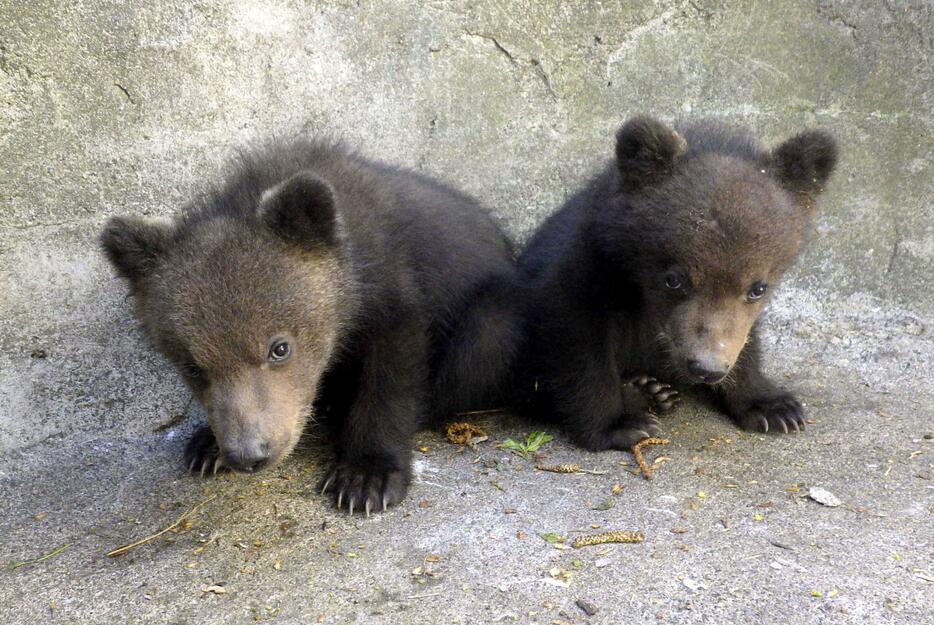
673,281
756,291
279,351
193,373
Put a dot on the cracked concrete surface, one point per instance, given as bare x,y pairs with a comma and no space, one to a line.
110,108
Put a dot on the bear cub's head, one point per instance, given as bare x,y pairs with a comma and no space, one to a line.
703,222
243,296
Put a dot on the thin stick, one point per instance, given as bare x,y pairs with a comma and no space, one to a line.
122,550
51,554
431,594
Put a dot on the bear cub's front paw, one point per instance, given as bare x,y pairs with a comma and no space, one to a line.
622,435
772,413
202,455
365,486
661,397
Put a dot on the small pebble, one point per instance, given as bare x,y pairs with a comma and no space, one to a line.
823,496
588,608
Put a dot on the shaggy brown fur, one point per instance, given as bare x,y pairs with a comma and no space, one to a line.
661,266
315,281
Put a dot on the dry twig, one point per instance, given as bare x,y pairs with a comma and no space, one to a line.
119,551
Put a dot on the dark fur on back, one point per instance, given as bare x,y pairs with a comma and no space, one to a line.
394,293
658,268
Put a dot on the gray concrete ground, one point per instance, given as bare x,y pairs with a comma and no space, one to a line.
112,107
730,534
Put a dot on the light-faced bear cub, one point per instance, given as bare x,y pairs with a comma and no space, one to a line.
659,269
316,278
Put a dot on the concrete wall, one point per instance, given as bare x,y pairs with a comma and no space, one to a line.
127,107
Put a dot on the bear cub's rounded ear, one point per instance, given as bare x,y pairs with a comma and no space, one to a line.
133,244
302,211
646,151
804,163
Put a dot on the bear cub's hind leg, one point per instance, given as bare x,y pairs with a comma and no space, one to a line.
643,397
632,423
661,397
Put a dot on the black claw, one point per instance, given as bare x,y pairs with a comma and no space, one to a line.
660,395
779,414
362,485
202,456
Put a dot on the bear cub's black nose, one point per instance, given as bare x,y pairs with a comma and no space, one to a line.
248,459
705,375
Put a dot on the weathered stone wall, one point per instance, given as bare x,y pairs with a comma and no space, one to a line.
127,107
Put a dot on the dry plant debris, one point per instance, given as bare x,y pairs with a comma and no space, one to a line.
567,468
43,558
619,536
465,433
559,468
640,458
122,550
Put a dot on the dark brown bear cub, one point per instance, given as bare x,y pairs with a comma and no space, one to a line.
315,281
659,268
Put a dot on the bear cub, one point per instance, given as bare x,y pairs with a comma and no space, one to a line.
658,270
315,283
